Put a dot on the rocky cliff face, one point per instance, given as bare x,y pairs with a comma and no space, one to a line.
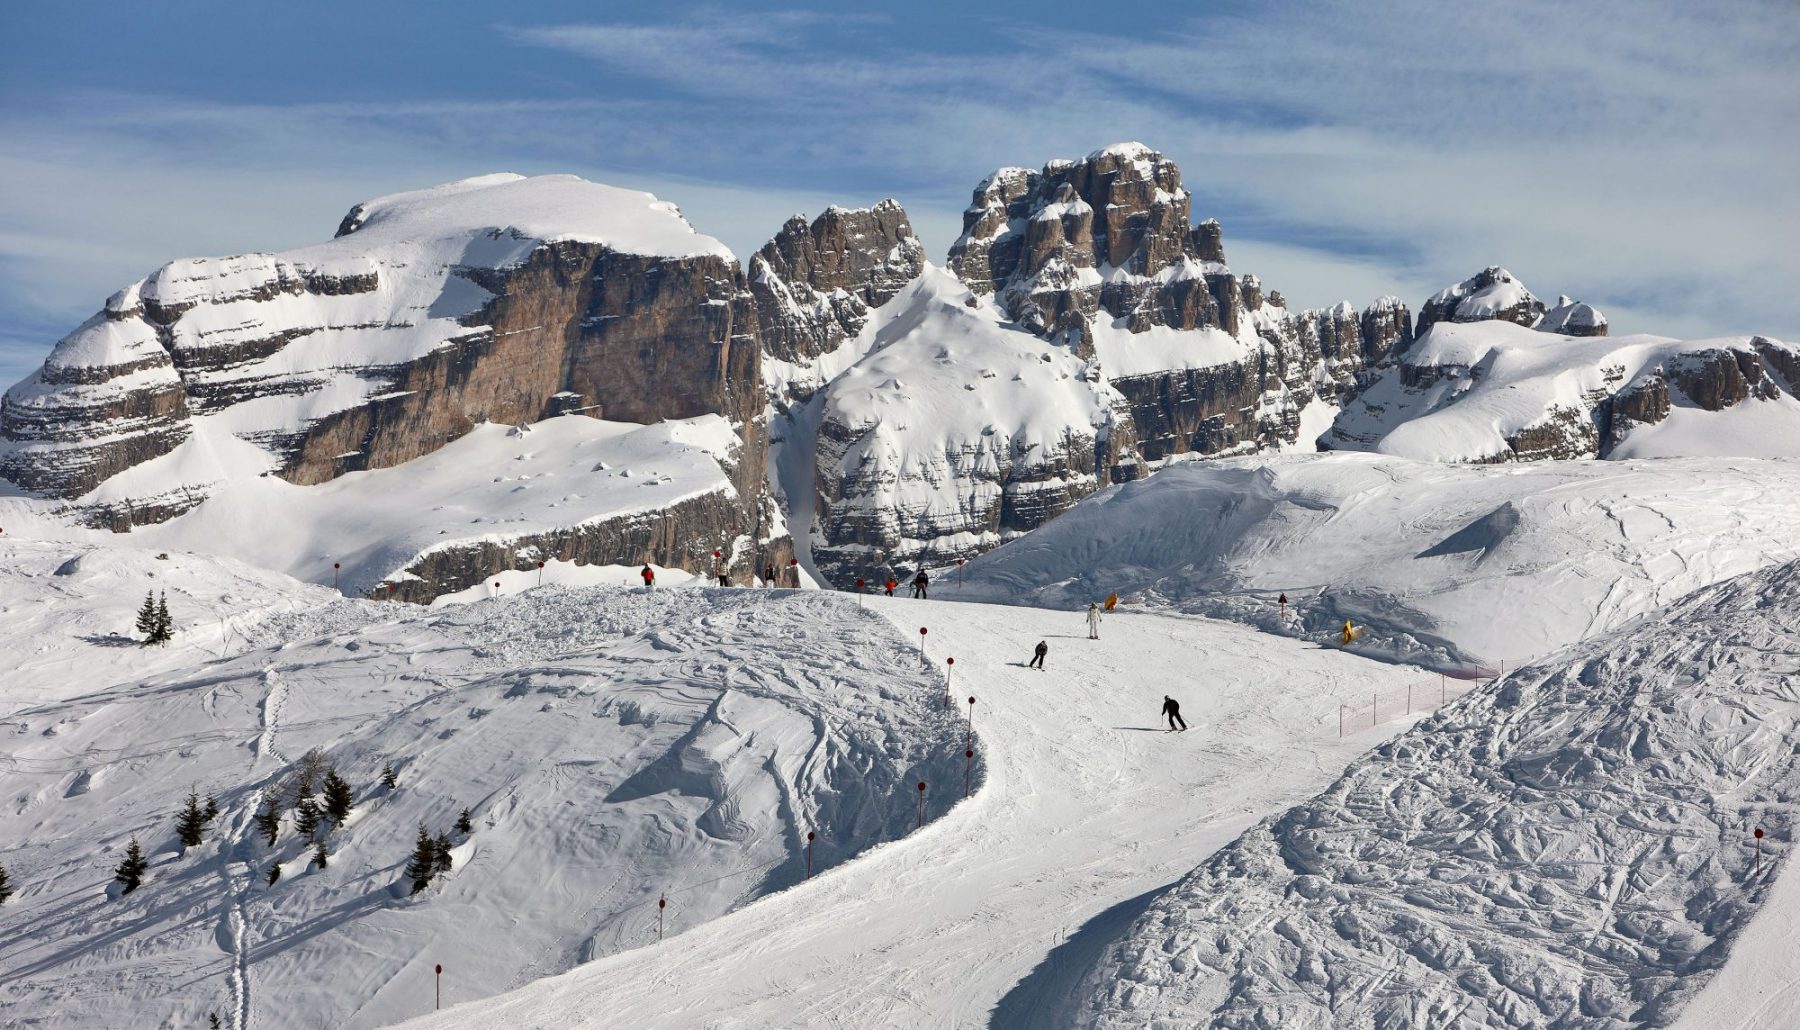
499,299
816,283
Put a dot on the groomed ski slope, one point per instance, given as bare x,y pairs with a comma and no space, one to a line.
982,916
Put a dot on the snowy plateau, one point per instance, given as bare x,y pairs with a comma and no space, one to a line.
1483,623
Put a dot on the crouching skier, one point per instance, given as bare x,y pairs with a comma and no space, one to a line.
1172,709
1037,656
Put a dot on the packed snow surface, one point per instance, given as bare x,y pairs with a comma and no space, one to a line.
613,747
1567,847
985,916
1442,563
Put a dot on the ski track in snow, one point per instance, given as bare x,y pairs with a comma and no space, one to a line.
1087,809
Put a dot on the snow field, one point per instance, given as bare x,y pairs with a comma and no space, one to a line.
614,746
987,914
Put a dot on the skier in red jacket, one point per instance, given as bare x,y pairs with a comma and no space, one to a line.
649,576
891,584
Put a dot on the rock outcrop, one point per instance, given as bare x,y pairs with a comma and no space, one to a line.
1093,333
816,283
1573,318
1492,293
497,299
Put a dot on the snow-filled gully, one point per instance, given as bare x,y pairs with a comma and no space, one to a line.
985,914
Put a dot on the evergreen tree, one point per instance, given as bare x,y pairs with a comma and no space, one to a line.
6,888
268,822
388,778
338,801
190,827
165,626
212,807
146,618
214,1024
440,859
130,872
463,823
423,865
274,873
320,858
307,815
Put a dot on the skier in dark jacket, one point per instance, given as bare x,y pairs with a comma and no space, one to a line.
1037,656
920,583
1172,709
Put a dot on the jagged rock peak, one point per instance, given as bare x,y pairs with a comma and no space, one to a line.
871,252
1573,318
816,282
1493,293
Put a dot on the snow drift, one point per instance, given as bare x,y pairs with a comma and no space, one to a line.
1567,847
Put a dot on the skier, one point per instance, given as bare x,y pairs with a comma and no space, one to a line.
649,577
1037,657
724,576
1172,709
1349,633
1093,622
920,583
891,585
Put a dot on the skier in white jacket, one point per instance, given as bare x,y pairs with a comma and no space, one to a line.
1093,622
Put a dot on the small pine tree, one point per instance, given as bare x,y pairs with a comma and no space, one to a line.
268,822
214,1023
423,865
464,824
130,872
307,817
165,626
274,872
388,778
338,801
146,618
320,858
190,826
6,888
212,808
440,858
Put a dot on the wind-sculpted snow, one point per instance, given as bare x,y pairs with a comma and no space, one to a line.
1567,847
1437,563
613,746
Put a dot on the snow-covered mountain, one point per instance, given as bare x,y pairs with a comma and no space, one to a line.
1570,846
501,299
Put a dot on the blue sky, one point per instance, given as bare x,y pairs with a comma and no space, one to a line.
1638,155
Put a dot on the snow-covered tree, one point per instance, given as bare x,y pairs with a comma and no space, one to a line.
274,872
146,618
320,857
212,807
307,817
130,872
388,777
423,865
164,630
464,824
190,827
268,822
440,857
338,800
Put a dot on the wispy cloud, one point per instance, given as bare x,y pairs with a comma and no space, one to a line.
1638,155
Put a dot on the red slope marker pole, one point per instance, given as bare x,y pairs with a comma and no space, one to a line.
809,840
335,566
969,736
968,763
661,903
439,1002
959,579
921,802
540,573
859,586
921,641
1759,851
949,667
